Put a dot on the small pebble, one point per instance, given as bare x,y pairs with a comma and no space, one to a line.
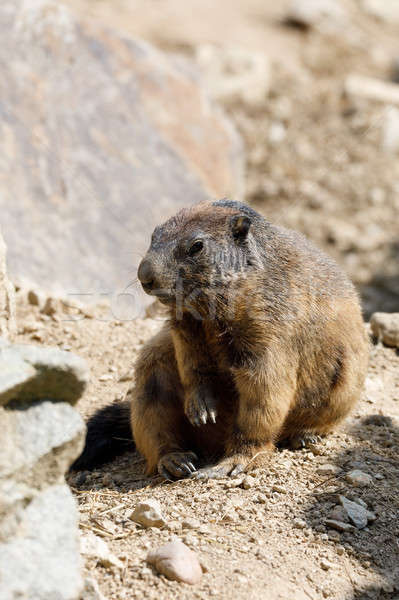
328,469
175,526
91,590
248,482
359,478
299,523
279,488
106,377
177,562
339,525
95,547
325,565
148,514
333,535
107,480
191,524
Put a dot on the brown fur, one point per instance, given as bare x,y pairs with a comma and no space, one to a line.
265,334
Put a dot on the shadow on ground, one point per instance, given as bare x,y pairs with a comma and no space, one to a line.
381,293
374,450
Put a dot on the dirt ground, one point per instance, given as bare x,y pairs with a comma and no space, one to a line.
326,174
269,541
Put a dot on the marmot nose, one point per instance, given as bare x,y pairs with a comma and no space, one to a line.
146,274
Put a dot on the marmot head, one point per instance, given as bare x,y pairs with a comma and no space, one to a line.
200,251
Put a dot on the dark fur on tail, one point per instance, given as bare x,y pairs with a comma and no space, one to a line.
108,435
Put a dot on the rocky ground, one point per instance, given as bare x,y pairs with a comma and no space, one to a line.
266,534
323,162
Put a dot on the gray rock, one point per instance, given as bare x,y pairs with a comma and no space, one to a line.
117,140
385,326
339,514
42,562
7,302
176,561
39,444
148,514
357,514
32,373
339,525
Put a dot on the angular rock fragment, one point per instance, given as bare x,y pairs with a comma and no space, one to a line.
357,514
148,514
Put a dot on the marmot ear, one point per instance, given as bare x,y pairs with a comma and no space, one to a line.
240,225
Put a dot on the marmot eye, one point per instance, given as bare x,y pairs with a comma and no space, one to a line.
195,248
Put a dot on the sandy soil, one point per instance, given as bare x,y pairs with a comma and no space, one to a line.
328,176
267,541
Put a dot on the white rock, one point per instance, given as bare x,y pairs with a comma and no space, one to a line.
95,547
385,10
299,523
372,89
359,478
386,327
390,130
191,524
234,73
176,561
106,377
277,133
248,482
148,514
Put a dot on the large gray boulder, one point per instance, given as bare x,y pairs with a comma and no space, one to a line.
42,561
41,435
102,138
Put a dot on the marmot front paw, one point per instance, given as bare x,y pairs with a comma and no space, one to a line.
200,408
